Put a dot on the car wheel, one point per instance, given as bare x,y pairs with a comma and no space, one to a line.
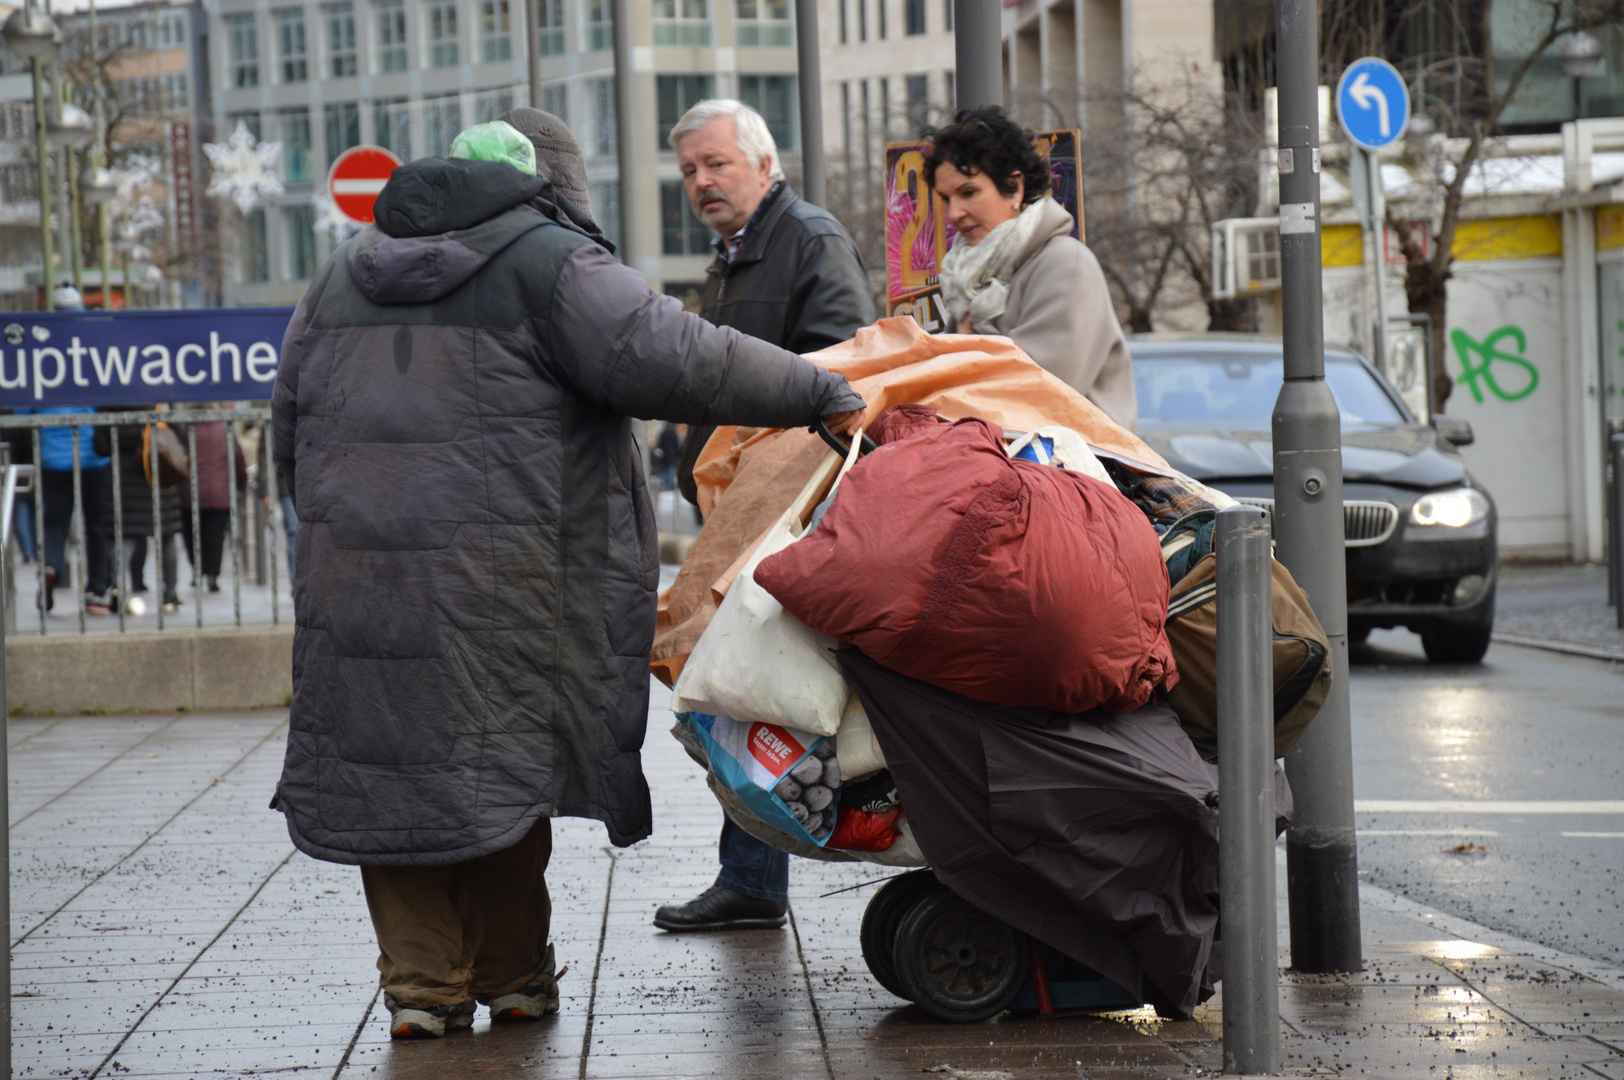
1463,646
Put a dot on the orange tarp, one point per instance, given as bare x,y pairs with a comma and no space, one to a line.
747,476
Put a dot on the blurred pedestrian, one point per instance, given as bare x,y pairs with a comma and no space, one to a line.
1015,268
213,522
20,441
135,507
667,453
787,272
477,572
56,480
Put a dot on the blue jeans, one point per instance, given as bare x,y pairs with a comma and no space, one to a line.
750,867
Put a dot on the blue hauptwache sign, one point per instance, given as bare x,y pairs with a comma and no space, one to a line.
112,357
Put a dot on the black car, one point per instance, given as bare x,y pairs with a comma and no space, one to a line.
1420,530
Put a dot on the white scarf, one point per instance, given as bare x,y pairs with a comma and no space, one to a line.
975,278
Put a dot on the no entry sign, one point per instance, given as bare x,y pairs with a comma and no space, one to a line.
356,178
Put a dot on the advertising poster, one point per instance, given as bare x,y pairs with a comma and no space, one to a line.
917,234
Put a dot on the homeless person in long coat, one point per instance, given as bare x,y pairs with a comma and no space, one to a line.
477,552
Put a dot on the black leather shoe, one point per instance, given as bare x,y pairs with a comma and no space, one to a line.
721,909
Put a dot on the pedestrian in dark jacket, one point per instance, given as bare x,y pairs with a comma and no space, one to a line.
135,508
213,499
787,272
477,554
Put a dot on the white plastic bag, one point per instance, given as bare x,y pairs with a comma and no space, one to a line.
755,661
856,748
1056,445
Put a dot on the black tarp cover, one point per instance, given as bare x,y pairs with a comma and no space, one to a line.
1091,832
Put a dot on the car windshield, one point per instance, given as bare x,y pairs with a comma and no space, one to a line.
1244,388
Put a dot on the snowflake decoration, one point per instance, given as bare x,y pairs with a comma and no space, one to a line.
330,220
243,169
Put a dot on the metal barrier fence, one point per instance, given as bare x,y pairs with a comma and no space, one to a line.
15,475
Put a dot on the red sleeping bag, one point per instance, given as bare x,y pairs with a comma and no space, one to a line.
1004,580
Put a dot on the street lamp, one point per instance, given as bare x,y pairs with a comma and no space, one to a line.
32,35
1581,58
71,129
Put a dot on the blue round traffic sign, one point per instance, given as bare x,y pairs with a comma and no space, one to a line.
1373,103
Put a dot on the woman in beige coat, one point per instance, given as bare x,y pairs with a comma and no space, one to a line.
1015,269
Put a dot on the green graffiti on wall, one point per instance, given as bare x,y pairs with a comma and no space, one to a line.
1477,360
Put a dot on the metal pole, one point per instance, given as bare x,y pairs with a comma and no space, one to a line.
118,532
532,44
197,522
5,836
77,528
1246,791
158,578
231,493
75,233
1322,859
1615,549
99,158
43,152
39,525
809,87
1378,220
625,110
978,52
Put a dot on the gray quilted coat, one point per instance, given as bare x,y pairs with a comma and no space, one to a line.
477,556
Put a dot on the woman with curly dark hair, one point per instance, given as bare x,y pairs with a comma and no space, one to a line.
1015,269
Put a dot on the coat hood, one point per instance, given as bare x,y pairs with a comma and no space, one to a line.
440,221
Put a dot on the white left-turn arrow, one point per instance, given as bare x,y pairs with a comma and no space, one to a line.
1362,92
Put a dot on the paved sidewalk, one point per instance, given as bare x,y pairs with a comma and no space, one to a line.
163,926
1560,605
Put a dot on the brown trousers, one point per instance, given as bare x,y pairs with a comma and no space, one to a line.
475,929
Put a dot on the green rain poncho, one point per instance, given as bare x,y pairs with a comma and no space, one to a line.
496,141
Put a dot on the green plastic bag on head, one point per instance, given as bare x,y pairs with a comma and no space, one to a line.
496,141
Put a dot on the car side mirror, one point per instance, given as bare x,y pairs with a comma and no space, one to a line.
1453,430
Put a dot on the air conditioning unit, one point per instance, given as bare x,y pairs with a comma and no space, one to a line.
1245,257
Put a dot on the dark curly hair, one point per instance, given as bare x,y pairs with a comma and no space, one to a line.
985,140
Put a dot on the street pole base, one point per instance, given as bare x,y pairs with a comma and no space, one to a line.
1324,904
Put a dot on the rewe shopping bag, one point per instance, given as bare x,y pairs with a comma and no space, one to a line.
755,659
789,779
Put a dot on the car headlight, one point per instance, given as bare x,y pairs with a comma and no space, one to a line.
1456,508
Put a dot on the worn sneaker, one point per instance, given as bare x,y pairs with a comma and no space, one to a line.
98,603
535,1001
408,1022
172,604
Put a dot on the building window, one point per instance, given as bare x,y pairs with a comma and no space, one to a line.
556,100
843,34
177,94
918,103
341,124
341,61
300,223
600,29
947,14
600,118
952,93
773,96
606,208
879,7
442,24
442,119
845,120
248,119
290,45
242,50
680,232
914,10
172,31
763,23
549,26
293,128
489,106
391,24
681,22
862,20
392,126
495,30
675,95
256,263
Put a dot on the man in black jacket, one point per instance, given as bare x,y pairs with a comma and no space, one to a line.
788,272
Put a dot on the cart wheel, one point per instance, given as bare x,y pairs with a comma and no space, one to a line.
957,962
884,913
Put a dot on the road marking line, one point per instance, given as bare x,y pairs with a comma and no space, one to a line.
1442,832
1596,835
1466,806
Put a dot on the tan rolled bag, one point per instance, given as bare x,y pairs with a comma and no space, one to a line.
1302,668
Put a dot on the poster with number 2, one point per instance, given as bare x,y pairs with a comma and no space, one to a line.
917,234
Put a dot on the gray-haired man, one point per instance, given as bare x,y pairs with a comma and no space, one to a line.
788,272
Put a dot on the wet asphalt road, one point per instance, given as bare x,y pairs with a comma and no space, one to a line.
1526,726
